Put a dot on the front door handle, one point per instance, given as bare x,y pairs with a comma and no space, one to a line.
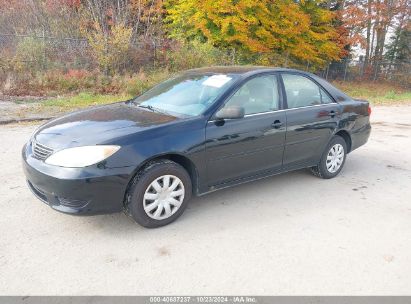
277,124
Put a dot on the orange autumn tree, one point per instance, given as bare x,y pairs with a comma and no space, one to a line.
300,30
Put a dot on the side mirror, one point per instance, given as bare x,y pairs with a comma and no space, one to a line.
230,112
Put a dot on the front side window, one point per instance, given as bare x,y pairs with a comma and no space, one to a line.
187,94
258,95
303,92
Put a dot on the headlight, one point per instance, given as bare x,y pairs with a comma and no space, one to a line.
81,156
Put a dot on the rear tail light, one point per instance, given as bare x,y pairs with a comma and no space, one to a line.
369,110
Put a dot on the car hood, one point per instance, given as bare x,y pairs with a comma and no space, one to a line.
98,125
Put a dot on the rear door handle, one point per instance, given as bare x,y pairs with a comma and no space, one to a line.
332,114
277,124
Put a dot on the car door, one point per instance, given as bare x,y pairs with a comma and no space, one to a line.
311,120
237,148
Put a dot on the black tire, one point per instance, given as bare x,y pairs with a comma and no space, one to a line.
321,169
143,179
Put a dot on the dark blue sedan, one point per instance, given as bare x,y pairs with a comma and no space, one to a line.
204,130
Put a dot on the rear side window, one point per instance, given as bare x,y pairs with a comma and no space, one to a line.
303,92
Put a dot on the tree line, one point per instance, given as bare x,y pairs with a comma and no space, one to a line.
127,35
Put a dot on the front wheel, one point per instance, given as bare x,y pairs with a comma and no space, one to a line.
159,193
332,160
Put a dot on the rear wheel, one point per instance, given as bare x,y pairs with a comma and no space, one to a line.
332,160
159,193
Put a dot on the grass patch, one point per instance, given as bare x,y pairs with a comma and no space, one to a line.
83,100
376,93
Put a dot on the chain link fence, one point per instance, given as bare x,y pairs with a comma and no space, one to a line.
42,52
46,52
356,70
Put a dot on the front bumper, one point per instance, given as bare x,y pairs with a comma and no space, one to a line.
79,191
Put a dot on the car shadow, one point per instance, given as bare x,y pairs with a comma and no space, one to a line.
211,203
262,187
244,196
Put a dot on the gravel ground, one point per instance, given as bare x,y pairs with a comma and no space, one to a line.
14,109
24,108
289,234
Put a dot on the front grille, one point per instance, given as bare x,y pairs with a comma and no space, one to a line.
41,151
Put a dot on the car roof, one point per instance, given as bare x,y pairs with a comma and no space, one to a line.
236,70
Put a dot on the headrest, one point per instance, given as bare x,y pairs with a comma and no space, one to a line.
256,86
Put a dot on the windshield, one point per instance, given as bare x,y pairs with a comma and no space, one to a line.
186,94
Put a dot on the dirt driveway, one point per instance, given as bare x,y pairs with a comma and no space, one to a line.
289,234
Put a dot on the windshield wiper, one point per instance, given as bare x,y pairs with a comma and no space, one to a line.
151,108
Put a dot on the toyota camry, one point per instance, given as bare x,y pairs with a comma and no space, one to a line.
201,131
